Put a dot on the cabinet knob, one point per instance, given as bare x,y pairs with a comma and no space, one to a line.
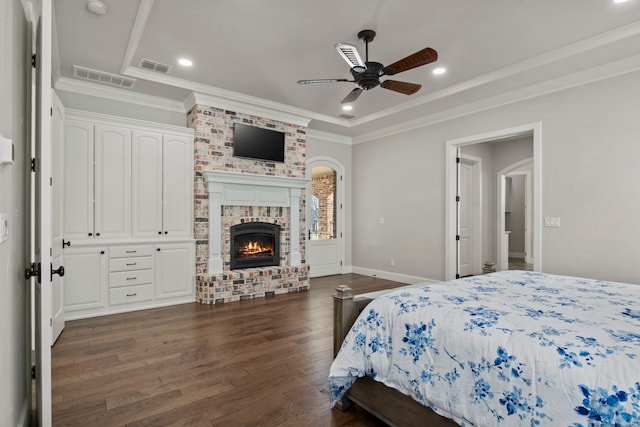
159,232
97,234
166,232
158,249
90,234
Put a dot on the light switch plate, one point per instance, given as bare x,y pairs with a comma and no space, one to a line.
551,221
7,154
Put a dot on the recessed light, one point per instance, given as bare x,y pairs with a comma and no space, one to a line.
620,1
185,62
439,70
347,107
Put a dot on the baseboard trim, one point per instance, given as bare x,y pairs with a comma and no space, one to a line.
516,255
403,278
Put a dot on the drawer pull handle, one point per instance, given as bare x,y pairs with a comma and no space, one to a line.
132,263
132,295
131,278
131,252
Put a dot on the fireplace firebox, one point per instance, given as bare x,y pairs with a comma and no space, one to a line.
254,244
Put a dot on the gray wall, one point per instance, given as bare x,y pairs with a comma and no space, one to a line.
342,154
590,149
14,304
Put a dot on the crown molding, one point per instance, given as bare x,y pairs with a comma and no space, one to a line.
328,136
236,101
196,98
591,75
115,94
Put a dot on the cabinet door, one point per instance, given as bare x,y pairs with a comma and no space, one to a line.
147,184
84,279
112,181
174,270
77,180
177,183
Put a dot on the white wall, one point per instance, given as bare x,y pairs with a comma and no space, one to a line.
341,152
14,304
590,151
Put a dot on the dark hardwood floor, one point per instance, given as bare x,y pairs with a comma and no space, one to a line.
261,362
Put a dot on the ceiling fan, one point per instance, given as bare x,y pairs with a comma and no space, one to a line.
366,74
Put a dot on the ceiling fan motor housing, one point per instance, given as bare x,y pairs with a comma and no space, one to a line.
369,78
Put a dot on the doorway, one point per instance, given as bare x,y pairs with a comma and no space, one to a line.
452,208
325,217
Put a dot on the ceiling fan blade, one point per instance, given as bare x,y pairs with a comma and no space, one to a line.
353,95
418,59
350,54
402,87
308,82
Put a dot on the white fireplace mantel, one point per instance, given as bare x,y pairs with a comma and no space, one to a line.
243,189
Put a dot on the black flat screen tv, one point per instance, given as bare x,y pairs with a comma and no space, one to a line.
258,143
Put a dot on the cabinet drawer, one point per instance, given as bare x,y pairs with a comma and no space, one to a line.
130,251
128,264
131,294
127,278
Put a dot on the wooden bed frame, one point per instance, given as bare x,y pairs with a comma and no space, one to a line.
387,404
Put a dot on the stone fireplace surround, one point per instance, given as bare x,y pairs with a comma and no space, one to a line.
244,190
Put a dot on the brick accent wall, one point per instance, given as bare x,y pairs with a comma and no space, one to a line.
213,150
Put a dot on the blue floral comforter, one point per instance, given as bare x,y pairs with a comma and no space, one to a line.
510,348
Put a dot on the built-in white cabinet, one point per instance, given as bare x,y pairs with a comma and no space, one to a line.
126,179
171,261
162,182
122,277
84,279
127,206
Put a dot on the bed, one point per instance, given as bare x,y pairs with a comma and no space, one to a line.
512,348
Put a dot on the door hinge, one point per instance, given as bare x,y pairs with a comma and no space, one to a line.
32,271
457,159
33,164
33,372
51,111
340,205
34,61
50,321
457,237
457,276
341,235
457,198
340,177
50,181
340,263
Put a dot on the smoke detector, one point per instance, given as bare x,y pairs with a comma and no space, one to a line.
97,7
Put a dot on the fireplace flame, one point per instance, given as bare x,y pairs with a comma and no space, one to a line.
255,248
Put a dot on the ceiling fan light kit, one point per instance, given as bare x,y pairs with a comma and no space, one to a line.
366,74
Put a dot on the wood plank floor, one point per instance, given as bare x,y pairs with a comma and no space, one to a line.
261,362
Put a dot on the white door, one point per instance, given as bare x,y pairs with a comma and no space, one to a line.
325,217
57,167
42,214
147,184
466,220
112,181
177,182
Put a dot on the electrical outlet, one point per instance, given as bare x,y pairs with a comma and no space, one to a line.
381,220
4,227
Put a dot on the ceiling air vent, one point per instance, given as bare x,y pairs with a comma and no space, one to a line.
103,77
347,116
155,66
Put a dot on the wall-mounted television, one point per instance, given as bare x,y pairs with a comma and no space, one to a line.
258,143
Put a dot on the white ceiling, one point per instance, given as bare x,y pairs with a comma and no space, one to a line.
254,51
